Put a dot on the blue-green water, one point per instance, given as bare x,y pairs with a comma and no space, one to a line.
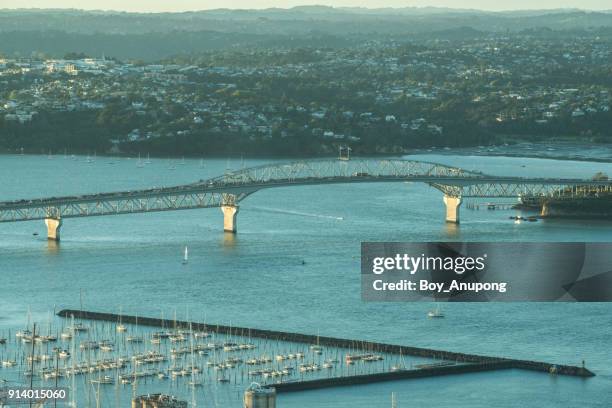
257,278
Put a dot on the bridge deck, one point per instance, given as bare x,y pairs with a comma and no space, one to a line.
233,187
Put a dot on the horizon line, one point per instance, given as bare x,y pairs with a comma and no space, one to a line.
345,8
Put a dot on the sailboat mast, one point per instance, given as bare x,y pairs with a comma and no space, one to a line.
193,369
73,358
32,360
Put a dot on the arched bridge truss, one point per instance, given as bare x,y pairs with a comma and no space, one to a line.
228,190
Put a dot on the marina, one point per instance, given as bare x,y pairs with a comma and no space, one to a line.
114,358
359,351
122,356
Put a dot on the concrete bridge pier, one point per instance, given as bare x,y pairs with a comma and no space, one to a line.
452,208
546,210
53,228
230,213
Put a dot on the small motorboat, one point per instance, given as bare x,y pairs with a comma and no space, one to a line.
78,327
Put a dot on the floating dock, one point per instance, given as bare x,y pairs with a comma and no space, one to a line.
490,206
457,363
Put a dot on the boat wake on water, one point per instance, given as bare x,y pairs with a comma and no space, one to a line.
298,213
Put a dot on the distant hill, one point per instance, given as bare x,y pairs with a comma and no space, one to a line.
155,35
297,20
147,47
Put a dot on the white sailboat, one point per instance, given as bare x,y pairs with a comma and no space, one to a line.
186,256
148,161
140,164
316,348
400,366
121,328
437,313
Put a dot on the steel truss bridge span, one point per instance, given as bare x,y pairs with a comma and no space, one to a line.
228,190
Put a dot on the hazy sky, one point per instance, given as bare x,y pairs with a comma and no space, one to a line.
183,5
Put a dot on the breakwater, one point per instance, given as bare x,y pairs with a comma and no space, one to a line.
293,386
464,362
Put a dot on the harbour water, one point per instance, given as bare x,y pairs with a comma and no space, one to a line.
294,266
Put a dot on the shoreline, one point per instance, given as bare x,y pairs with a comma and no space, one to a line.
530,156
436,151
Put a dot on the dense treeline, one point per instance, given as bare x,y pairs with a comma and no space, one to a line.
89,132
54,131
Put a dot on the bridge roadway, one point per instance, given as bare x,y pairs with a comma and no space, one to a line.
228,190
